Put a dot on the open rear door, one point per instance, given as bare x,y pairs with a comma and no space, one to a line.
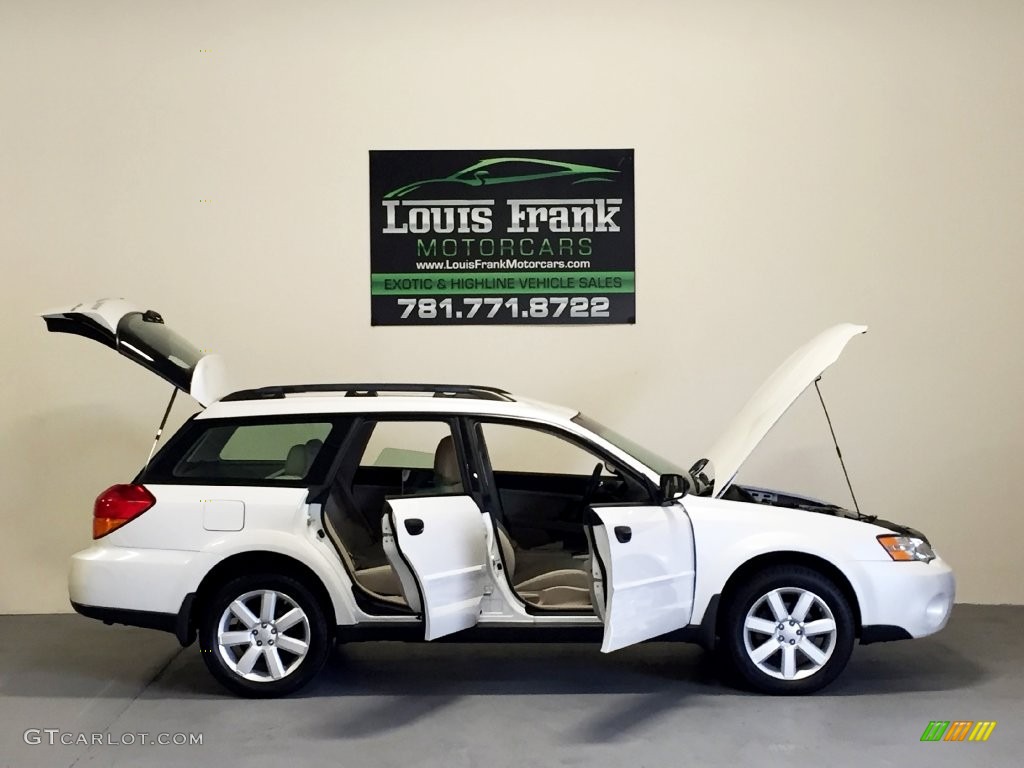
438,546
143,338
643,570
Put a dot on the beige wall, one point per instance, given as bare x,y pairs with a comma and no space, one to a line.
797,164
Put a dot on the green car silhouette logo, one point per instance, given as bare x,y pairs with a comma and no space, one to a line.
509,170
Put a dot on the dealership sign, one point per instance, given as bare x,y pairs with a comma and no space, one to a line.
502,237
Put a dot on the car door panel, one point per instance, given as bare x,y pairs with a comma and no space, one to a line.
540,509
438,547
643,571
377,482
572,485
534,519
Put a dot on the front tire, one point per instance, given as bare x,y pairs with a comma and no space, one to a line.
788,630
264,635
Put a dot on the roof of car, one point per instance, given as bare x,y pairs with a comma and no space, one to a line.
382,398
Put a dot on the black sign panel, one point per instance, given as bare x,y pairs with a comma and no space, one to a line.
511,237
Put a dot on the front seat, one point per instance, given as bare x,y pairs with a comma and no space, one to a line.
447,477
551,579
554,579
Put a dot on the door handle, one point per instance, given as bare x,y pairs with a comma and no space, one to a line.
414,526
623,533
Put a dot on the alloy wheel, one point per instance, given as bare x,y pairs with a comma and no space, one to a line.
263,635
789,633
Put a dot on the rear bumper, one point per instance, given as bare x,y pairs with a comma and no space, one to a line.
905,600
151,588
178,624
151,580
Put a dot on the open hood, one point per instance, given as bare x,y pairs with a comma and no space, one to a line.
773,399
142,337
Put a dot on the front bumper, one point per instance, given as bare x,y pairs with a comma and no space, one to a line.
900,599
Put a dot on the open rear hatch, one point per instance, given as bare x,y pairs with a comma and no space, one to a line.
142,337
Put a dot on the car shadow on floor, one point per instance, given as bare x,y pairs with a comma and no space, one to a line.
386,688
630,690
477,669
107,660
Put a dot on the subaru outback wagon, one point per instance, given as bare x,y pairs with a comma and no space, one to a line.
279,520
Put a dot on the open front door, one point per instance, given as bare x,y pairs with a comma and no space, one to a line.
438,546
643,570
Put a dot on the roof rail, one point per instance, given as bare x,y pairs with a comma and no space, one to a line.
371,390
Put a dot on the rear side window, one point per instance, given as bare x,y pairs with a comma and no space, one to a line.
260,453
405,444
267,442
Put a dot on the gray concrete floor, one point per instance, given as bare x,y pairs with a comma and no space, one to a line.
452,705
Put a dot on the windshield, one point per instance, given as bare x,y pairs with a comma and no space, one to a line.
647,457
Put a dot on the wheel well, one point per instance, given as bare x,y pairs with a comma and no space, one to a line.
257,562
822,566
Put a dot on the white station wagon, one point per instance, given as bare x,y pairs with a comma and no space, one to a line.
280,520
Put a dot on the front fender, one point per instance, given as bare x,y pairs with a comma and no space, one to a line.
729,534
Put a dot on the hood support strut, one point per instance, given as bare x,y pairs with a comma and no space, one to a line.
160,429
839,453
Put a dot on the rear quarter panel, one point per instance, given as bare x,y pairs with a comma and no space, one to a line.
274,520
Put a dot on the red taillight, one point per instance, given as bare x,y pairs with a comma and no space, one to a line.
117,505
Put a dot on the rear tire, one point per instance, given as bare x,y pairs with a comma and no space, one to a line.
264,635
788,630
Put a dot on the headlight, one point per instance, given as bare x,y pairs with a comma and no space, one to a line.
907,548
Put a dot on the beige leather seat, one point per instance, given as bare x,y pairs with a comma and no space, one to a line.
551,579
447,477
299,460
546,579
382,579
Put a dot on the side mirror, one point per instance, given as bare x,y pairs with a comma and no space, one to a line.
671,487
481,175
